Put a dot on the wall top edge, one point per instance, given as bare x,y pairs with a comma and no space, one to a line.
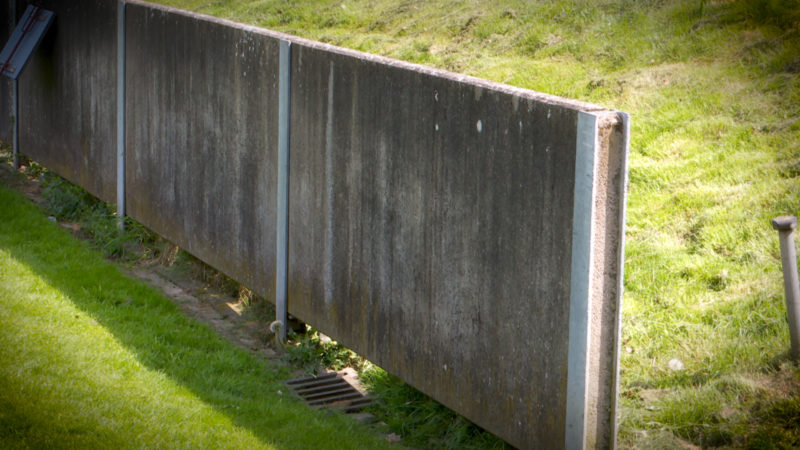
460,78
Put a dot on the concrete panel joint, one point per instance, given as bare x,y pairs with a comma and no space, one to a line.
282,237
121,114
15,104
15,122
580,290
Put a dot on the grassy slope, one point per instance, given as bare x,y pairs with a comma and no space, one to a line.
92,359
714,94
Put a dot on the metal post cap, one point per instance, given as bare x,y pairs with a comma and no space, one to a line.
784,223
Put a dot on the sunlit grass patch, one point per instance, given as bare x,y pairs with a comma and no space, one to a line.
91,359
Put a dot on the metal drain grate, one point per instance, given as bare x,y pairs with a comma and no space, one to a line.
339,390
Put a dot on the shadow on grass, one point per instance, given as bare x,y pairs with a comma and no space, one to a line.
245,389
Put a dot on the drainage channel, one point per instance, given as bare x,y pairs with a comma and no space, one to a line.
340,390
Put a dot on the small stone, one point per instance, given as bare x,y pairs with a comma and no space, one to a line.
392,437
675,364
364,417
650,396
727,412
52,219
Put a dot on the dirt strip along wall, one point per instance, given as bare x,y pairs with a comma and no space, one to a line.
67,106
431,214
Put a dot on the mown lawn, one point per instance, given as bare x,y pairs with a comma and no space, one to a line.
713,88
92,359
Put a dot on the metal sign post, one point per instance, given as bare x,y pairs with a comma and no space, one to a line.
17,52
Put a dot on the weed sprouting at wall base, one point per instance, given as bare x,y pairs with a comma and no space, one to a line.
312,351
68,202
64,200
94,359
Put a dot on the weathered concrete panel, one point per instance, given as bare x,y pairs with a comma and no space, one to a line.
6,109
431,228
68,95
201,138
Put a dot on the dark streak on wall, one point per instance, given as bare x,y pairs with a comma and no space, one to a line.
6,108
201,139
430,231
68,95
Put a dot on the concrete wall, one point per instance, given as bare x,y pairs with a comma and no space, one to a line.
67,111
201,138
432,229
6,108
462,234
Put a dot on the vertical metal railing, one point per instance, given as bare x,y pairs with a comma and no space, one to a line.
121,114
15,121
282,238
15,101
785,226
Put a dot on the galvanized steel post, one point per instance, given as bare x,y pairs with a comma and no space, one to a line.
580,282
15,107
282,238
785,226
15,101
121,114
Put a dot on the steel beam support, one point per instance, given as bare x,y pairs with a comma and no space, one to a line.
15,100
580,282
121,114
282,238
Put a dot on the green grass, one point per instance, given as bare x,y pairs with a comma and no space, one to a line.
92,359
68,202
420,420
714,93
423,422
